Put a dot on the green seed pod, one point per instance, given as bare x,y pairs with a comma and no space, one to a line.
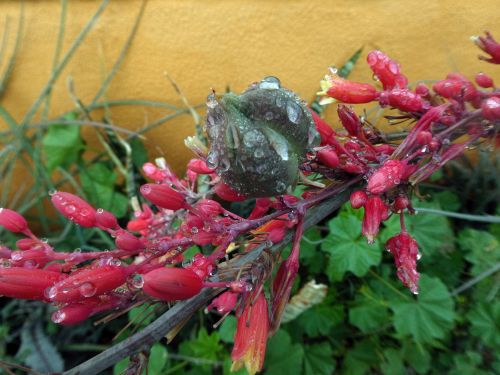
259,138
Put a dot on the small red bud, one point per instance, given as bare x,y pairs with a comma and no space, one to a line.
424,138
434,144
74,208
128,242
386,70
484,80
489,45
224,303
324,130
106,219
172,284
402,99
422,90
375,212
209,207
404,248
350,92
350,121
199,166
72,314
12,221
401,203
28,244
153,172
163,196
491,109
329,158
386,177
227,193
358,199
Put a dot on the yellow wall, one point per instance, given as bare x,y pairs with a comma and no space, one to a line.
204,44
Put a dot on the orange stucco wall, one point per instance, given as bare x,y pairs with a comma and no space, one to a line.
204,44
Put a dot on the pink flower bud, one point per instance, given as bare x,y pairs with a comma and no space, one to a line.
490,46
128,242
12,221
26,283
163,196
227,193
30,258
401,203
491,109
350,121
375,212
209,207
262,206
402,99
386,177
358,199
86,283
199,166
28,244
153,172
106,219
484,80
224,303
422,90
386,70
405,251
137,225
74,208
424,138
350,92
172,284
73,313
329,158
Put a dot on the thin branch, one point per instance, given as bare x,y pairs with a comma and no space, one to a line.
469,284
458,215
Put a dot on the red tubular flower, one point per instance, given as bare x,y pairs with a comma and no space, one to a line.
376,211
208,208
358,199
106,219
386,70
26,283
329,158
203,238
488,45
402,99
386,177
128,242
224,303
73,313
227,193
350,121
324,130
491,109
75,209
172,284
163,196
12,221
28,244
87,283
153,172
250,338
199,166
349,92
30,258
262,206
404,248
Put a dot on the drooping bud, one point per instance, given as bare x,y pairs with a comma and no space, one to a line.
386,70
347,91
358,199
228,194
203,238
106,219
26,283
488,45
224,303
199,166
375,212
401,203
128,242
484,80
12,221
163,196
404,248
491,109
172,284
250,338
386,177
74,208
87,283
329,158
350,121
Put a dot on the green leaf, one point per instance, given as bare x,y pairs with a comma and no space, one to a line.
393,364
360,358
139,153
62,144
227,329
319,320
157,359
282,356
468,363
142,315
416,356
485,320
318,359
428,317
482,249
310,256
348,249
368,315
204,346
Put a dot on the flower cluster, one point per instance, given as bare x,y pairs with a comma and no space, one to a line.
148,261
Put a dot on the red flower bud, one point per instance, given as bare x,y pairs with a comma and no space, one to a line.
86,283
350,92
350,121
262,206
30,258
324,130
208,208
12,221
405,251
386,177
484,80
28,243
153,172
227,193
74,208
358,199
375,212
490,46
402,99
73,313
172,284
329,158
491,109
224,303
199,166
203,238
163,196
424,138
422,90
106,219
128,242
401,203
137,225
26,283
386,70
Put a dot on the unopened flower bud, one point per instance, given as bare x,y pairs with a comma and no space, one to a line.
375,212
208,207
484,80
153,172
324,130
402,99
74,208
404,248
106,219
12,221
386,177
349,92
28,244
329,158
422,90
350,121
386,70
401,203
199,166
358,199
128,242
72,314
491,109
26,283
228,194
163,196
224,303
172,284
490,46
424,138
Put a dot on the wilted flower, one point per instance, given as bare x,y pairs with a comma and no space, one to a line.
376,211
404,248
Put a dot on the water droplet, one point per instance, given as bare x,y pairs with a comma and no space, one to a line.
419,256
16,256
269,116
194,230
258,153
248,287
293,111
393,67
51,292
211,101
212,271
136,281
44,240
87,289
58,316
375,78
77,250
280,186
5,263
70,209
224,165
52,192
446,141
279,101
270,83
333,70
186,263
84,212
213,159
30,264
100,210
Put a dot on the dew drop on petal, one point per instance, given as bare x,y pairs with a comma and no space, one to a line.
70,209
293,111
87,289
51,292
270,83
58,316
52,192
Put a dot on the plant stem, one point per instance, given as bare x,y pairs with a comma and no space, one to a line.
457,215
